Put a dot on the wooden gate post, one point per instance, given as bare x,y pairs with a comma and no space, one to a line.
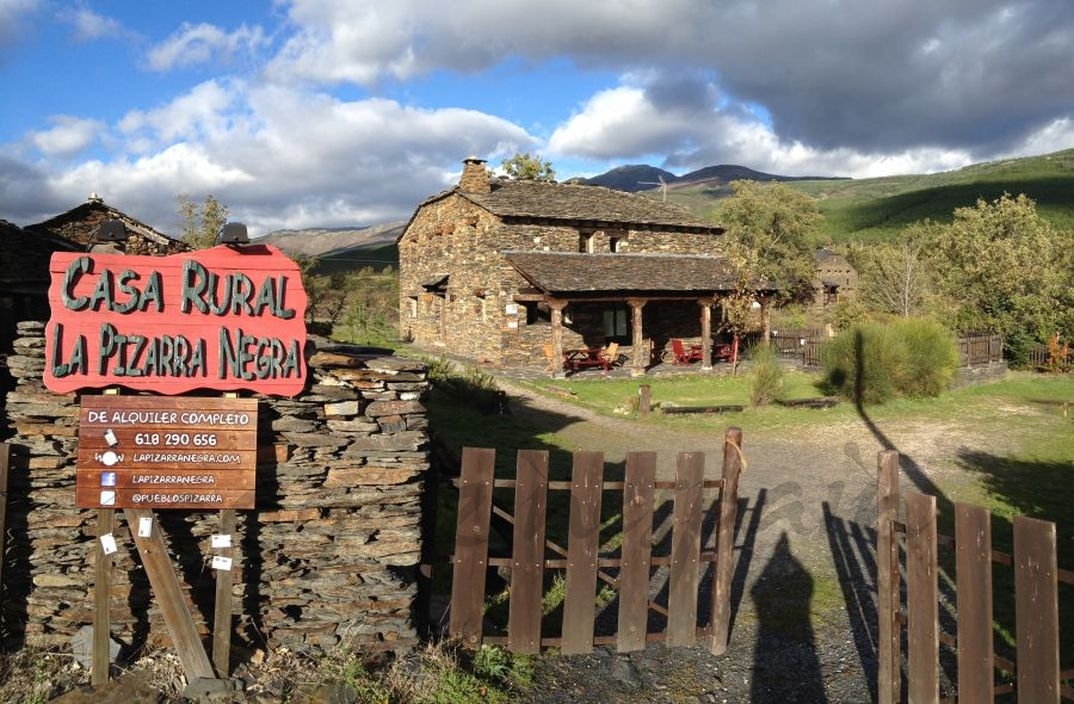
725,542
887,578
5,463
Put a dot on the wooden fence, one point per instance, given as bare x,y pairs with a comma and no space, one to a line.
975,350
629,570
801,345
1036,577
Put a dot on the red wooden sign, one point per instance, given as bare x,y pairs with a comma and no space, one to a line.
220,318
154,452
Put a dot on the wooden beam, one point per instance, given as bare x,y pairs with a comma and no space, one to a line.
169,593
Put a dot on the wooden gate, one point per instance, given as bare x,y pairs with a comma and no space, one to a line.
628,570
1038,677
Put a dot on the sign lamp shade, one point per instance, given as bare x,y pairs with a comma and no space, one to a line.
233,233
110,231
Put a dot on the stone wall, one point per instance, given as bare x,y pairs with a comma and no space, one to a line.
329,555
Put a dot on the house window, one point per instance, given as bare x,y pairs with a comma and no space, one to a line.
617,324
538,313
613,244
413,301
585,242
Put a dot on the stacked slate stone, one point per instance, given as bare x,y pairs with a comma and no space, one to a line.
329,556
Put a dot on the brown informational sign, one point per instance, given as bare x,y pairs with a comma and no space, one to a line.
223,319
153,452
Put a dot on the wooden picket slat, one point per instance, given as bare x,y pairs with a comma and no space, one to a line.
922,599
634,570
725,537
579,607
887,578
1036,595
973,571
685,550
471,544
527,561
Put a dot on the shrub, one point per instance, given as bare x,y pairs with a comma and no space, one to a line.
766,376
875,362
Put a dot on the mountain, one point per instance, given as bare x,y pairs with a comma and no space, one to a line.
642,177
632,178
334,242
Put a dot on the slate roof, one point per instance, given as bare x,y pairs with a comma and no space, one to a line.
561,272
24,257
542,200
79,222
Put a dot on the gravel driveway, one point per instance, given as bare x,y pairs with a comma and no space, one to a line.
804,626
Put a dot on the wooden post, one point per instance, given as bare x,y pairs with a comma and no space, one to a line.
887,578
973,569
225,579
922,601
169,593
5,464
102,592
706,332
1036,610
223,606
643,400
638,362
725,542
556,307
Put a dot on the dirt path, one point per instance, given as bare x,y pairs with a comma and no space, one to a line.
805,626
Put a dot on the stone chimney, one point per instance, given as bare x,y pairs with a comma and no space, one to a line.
475,177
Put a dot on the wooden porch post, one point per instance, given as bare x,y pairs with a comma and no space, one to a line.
556,306
766,318
637,337
706,333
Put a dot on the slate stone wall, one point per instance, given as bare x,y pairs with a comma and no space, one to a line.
329,555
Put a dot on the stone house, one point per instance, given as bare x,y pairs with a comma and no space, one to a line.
78,224
835,279
512,272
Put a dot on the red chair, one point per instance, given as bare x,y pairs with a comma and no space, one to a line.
683,355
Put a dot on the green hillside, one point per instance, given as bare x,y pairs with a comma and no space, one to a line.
377,256
878,208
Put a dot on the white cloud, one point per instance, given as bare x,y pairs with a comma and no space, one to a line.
281,157
203,43
89,25
68,136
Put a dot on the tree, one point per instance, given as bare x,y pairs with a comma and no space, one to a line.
770,229
896,277
1004,269
524,167
201,222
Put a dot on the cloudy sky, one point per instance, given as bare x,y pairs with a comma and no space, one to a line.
301,113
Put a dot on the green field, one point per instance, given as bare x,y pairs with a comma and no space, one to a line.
877,209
